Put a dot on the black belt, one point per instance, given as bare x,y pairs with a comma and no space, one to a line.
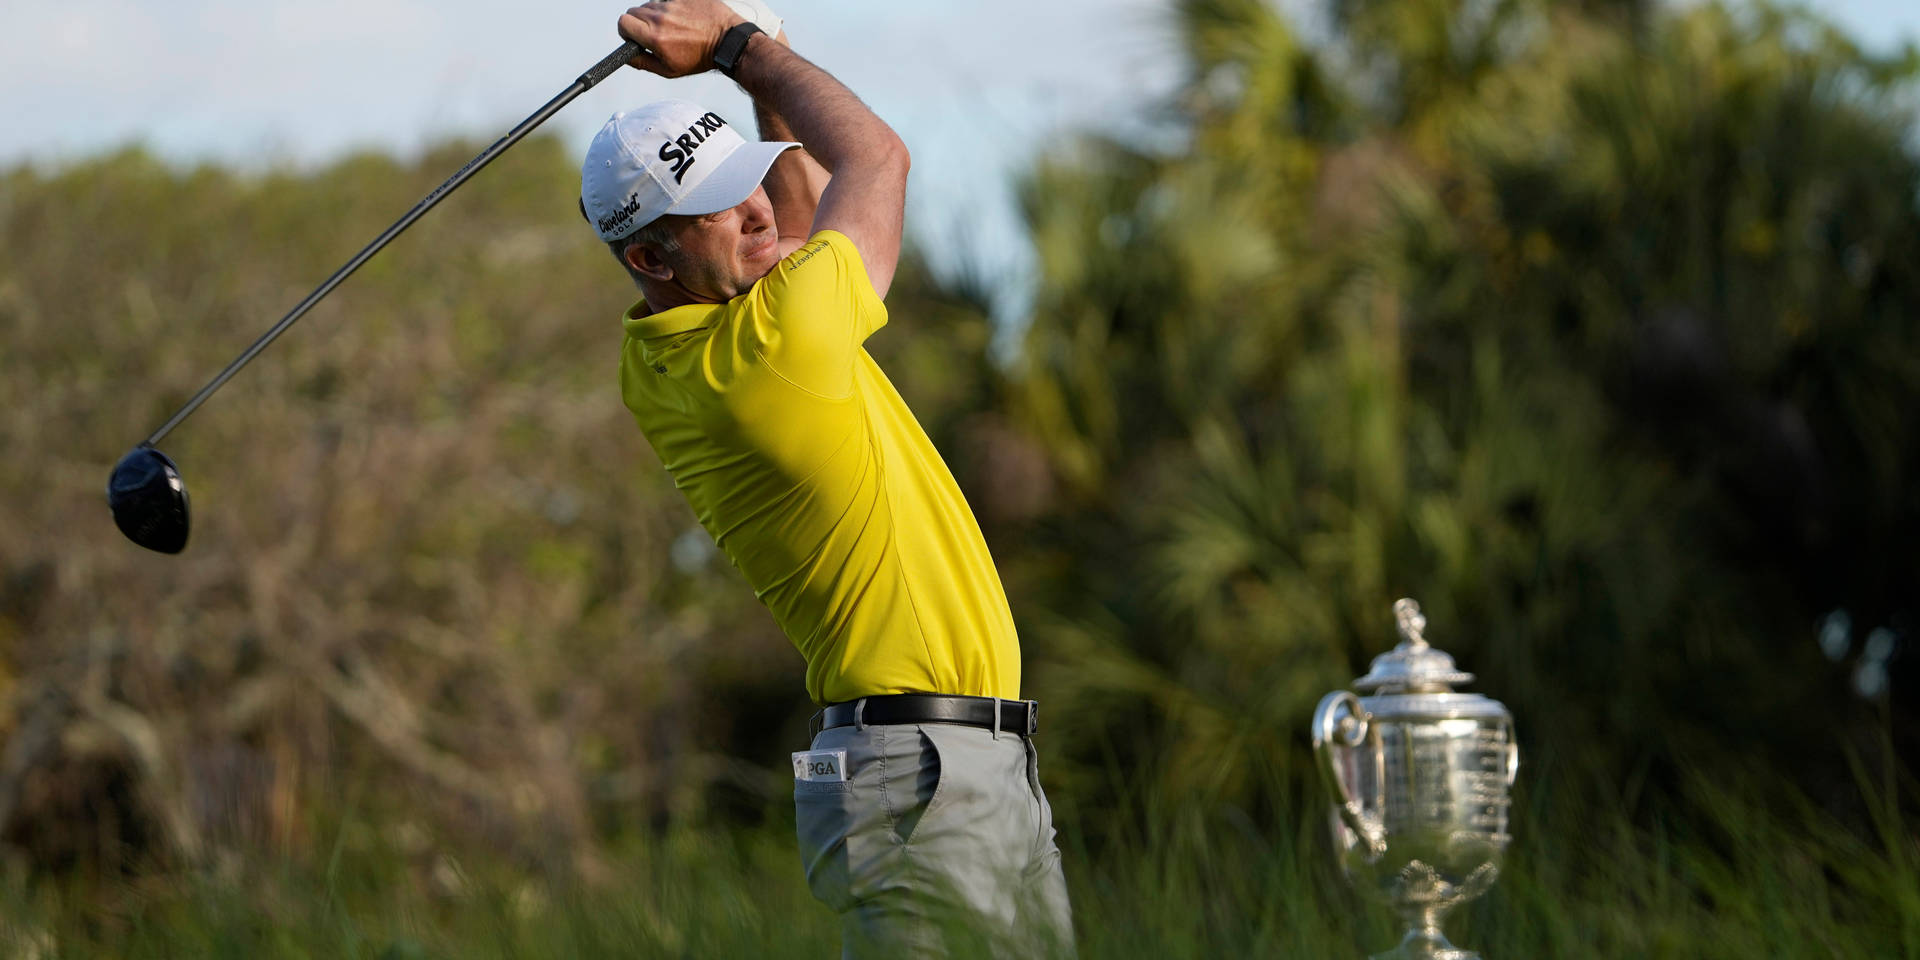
1016,716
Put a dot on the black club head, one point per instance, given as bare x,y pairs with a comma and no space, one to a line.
149,500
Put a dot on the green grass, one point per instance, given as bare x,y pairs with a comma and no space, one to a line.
1738,870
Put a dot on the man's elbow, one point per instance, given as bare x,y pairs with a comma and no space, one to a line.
893,153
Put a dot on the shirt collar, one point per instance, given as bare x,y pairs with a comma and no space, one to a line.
641,325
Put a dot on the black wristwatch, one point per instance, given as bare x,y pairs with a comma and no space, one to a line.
732,46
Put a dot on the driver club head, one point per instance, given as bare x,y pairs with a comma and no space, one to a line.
149,500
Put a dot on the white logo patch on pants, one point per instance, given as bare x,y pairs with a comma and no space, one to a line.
816,766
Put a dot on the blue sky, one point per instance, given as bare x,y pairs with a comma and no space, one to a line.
975,88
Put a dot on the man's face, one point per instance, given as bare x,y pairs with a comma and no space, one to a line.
722,254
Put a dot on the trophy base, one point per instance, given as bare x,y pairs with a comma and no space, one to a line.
1426,945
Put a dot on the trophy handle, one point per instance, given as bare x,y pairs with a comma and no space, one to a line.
1330,729
1513,756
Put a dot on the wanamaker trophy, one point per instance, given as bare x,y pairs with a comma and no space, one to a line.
1420,777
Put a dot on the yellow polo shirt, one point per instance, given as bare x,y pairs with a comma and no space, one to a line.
811,474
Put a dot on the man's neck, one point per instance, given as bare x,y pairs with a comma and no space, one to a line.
661,297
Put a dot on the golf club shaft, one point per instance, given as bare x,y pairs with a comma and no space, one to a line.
598,72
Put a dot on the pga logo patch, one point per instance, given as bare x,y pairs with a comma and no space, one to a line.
820,766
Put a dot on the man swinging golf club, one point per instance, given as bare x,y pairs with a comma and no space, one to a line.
762,268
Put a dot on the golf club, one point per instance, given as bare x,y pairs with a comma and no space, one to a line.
148,498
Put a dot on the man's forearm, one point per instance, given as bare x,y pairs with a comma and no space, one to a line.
795,181
772,127
814,108
865,199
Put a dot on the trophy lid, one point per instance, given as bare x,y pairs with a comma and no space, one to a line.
1413,666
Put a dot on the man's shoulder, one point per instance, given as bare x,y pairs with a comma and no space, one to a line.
824,268
832,244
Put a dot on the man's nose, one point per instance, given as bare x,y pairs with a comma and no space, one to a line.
755,217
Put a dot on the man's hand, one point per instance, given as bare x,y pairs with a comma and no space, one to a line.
679,35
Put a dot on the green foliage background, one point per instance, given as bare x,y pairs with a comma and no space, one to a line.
1592,326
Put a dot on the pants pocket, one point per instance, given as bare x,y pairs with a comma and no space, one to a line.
1044,834
822,819
914,789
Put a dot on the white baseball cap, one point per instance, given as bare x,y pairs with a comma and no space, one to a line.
670,156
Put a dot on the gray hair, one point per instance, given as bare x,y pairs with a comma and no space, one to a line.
656,234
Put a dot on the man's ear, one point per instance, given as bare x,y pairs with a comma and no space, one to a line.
647,262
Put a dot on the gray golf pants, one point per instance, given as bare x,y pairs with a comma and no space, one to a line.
939,843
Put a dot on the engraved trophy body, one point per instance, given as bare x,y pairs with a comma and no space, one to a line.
1420,777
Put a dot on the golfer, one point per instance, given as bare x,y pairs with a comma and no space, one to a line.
763,267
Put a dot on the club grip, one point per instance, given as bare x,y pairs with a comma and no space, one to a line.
614,61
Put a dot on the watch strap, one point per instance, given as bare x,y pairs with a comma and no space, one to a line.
733,46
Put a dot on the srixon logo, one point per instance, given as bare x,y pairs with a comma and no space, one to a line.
679,150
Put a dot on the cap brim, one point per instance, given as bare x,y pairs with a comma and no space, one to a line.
733,181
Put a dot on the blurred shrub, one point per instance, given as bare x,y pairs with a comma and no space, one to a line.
1601,342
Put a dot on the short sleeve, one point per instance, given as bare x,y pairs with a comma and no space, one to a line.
812,313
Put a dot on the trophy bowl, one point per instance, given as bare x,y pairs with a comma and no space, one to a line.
1419,776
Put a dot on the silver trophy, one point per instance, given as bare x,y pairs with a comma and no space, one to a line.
1419,776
